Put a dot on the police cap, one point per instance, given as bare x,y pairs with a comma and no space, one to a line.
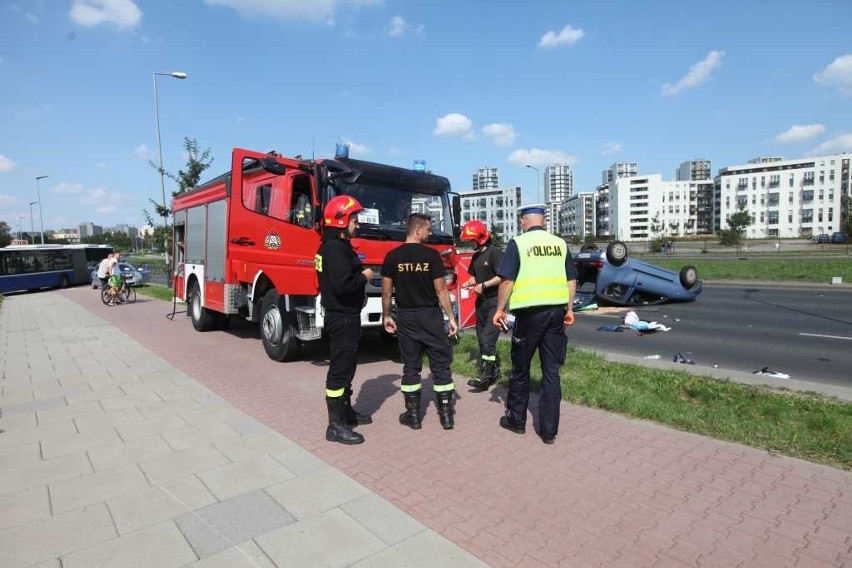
534,209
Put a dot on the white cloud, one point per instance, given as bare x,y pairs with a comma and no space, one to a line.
611,148
106,209
698,73
7,200
6,164
454,124
356,148
315,11
143,153
567,36
799,132
501,134
90,13
842,143
65,188
838,72
398,26
538,157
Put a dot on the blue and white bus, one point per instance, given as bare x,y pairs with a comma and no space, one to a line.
33,267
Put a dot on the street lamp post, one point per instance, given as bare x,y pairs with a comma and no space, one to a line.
21,227
40,216
176,75
32,230
537,182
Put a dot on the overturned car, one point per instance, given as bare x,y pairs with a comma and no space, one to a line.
612,277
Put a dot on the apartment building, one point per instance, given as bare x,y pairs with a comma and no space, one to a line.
558,183
602,203
786,198
694,170
486,178
577,216
90,230
497,208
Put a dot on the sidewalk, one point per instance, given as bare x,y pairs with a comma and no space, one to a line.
611,491
110,456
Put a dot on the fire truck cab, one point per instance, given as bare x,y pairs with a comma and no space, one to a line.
245,242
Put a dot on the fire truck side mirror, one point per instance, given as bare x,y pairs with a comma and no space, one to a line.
273,166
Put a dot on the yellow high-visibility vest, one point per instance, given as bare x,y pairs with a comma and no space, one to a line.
541,280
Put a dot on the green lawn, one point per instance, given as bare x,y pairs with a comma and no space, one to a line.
807,426
757,268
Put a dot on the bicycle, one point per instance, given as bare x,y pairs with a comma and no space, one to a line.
125,292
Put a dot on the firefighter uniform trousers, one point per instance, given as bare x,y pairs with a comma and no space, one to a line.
419,330
486,332
539,327
344,331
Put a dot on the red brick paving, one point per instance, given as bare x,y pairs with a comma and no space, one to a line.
611,491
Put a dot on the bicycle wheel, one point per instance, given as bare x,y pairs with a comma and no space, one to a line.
129,294
105,295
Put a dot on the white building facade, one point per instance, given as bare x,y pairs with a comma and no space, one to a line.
786,198
578,216
497,208
486,178
558,182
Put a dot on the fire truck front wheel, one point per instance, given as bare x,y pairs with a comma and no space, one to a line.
202,318
277,329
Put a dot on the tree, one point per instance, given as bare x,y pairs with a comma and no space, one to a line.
846,214
186,179
737,222
496,238
5,234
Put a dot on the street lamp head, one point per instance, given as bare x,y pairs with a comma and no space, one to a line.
40,177
33,203
178,75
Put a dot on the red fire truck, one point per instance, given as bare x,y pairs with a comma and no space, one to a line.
245,242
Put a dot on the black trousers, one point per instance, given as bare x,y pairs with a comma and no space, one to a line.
344,331
486,332
421,330
539,329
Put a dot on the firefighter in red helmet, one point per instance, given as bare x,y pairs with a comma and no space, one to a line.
484,281
342,282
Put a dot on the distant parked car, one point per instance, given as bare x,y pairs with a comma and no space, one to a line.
821,238
611,277
138,276
838,237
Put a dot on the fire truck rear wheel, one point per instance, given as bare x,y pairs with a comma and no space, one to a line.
202,318
277,329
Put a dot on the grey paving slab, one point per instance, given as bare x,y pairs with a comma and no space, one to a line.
244,555
108,420
12,437
220,526
24,506
180,464
149,427
423,550
17,421
95,488
162,546
313,494
69,412
129,453
157,504
22,454
40,405
66,444
43,473
56,536
330,539
244,476
382,518
300,461
186,438
253,445
89,394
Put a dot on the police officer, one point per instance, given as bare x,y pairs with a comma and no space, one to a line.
484,281
417,273
539,280
342,280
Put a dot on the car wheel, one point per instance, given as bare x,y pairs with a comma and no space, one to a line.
64,281
616,253
277,329
688,277
202,318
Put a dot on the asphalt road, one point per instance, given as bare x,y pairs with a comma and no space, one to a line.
803,331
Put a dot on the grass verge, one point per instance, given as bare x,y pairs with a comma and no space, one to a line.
156,291
806,426
788,270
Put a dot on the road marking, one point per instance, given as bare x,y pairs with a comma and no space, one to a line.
826,336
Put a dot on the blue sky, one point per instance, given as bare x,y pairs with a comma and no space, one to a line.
460,85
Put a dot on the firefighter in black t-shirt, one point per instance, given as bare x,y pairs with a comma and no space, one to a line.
484,281
342,280
416,272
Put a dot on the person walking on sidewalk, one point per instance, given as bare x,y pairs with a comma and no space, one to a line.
416,272
538,281
484,281
342,283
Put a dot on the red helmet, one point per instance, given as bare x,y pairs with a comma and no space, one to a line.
339,209
475,231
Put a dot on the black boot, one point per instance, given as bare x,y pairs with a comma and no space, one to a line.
353,417
445,408
411,417
488,373
338,430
